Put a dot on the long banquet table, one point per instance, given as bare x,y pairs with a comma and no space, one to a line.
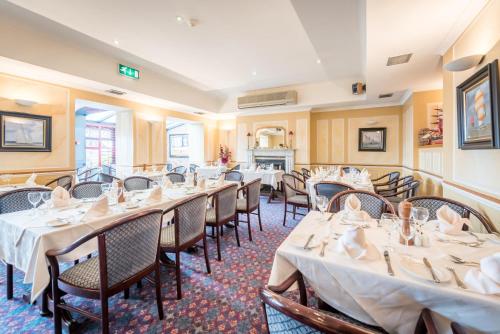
365,291
24,238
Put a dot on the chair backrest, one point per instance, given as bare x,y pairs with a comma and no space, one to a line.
233,176
17,200
137,183
64,181
330,189
298,175
237,167
405,179
252,191
189,219
88,189
179,170
410,189
176,177
306,172
348,169
129,246
106,178
168,166
373,204
433,203
290,183
225,202
393,176
192,168
90,174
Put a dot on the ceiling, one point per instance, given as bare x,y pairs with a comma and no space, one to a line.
239,46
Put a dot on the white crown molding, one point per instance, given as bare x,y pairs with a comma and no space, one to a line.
365,106
408,93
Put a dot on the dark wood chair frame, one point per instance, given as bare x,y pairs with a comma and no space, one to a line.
383,177
295,205
249,210
409,190
388,186
66,186
219,223
334,205
488,225
306,173
59,288
177,249
298,175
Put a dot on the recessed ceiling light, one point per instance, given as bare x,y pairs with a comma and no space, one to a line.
384,96
179,18
116,42
318,61
402,59
254,73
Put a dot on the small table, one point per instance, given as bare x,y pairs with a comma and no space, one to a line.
272,178
210,172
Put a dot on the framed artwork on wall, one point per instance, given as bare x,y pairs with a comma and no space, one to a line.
372,139
478,110
20,132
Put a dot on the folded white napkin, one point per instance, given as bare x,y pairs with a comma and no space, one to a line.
98,209
220,180
353,243
352,209
166,183
258,169
31,180
485,280
450,222
60,197
155,194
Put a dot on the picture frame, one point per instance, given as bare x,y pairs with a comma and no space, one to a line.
178,145
22,132
372,139
478,110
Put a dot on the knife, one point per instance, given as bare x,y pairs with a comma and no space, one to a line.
433,273
308,241
388,261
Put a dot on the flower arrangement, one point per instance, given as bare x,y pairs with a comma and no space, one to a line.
224,154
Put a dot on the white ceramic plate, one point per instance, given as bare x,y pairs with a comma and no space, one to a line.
299,240
57,222
417,269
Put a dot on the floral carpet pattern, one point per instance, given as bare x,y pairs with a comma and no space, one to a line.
227,301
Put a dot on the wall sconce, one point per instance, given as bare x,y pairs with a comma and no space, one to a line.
290,136
248,140
464,63
25,103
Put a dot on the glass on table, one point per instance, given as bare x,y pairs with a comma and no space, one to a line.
105,188
46,199
390,223
419,215
407,233
34,198
322,204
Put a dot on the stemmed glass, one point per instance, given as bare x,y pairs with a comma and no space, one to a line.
407,234
322,204
34,198
105,188
419,215
46,197
114,194
389,222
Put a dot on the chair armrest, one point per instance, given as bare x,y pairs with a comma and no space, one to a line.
58,252
296,276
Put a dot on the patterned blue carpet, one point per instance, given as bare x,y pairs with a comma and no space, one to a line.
227,301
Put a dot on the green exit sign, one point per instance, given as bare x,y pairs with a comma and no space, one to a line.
128,71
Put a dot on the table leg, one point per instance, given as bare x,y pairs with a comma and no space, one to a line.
271,195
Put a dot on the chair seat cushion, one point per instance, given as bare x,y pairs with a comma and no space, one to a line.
297,199
167,238
84,274
210,216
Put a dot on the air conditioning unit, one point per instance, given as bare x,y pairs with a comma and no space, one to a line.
267,100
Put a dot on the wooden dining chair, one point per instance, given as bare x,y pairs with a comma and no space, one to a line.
284,315
176,177
12,201
132,183
168,166
88,189
373,204
330,188
306,173
433,203
389,187
248,205
64,181
237,167
298,175
400,193
386,178
128,250
192,168
180,170
297,198
233,175
185,230
223,211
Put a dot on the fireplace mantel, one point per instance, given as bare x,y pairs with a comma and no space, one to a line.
287,154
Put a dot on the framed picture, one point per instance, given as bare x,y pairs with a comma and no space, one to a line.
21,132
372,139
178,145
478,111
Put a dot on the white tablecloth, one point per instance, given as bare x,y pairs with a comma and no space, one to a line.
312,192
210,172
268,177
366,292
6,188
29,254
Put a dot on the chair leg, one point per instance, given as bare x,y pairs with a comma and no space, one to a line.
159,301
221,231
249,227
205,251
236,232
294,211
57,311
139,284
178,274
126,293
218,242
105,315
258,215
10,281
284,215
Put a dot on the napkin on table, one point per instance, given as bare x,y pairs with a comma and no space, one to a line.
450,222
353,243
486,279
31,180
155,194
60,197
258,169
166,183
98,208
220,180
352,209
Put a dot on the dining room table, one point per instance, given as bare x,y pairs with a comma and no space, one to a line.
365,289
10,187
25,236
210,172
271,177
351,181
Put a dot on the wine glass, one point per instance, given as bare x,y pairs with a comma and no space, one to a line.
46,197
407,232
419,215
389,222
114,194
34,198
321,204
105,188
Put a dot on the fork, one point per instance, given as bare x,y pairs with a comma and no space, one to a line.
460,283
475,244
475,236
458,260
324,242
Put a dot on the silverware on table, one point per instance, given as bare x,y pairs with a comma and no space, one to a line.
457,278
474,244
308,241
433,273
388,262
476,237
323,246
459,260
331,217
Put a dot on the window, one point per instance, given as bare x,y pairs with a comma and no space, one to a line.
178,146
99,144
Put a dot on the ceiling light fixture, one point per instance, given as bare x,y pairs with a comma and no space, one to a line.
464,63
116,42
179,18
396,60
318,61
254,73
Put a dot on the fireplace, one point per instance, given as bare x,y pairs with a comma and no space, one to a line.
278,163
284,158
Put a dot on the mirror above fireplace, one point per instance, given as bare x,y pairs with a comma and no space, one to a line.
270,137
